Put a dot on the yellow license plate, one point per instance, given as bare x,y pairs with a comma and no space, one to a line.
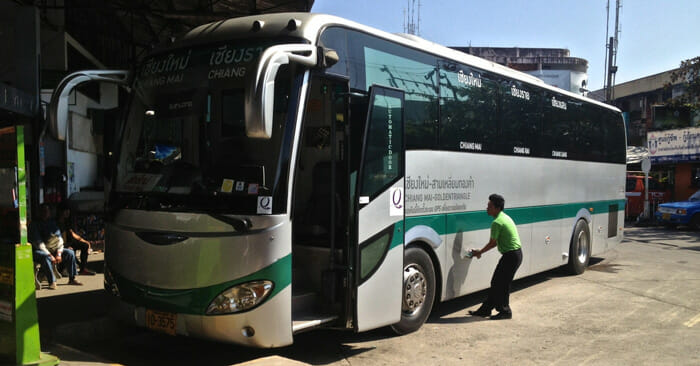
666,216
161,321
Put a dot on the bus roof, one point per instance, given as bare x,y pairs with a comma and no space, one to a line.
308,26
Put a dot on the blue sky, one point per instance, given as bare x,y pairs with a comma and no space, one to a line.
655,34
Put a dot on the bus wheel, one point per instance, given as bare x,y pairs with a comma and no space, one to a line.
695,222
418,290
580,249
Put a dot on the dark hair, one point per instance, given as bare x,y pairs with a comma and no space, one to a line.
498,201
62,207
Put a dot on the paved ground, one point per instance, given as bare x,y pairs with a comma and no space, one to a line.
637,304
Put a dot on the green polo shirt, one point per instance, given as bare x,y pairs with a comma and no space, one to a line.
505,233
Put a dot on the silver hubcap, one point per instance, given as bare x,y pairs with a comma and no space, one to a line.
415,288
582,247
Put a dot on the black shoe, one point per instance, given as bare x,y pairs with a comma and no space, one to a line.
86,272
481,313
502,315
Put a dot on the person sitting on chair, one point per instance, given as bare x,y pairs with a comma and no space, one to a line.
47,244
72,239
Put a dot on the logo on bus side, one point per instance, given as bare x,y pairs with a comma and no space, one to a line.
264,205
396,203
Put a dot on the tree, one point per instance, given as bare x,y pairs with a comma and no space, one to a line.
687,75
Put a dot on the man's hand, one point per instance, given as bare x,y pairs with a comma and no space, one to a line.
476,253
58,258
53,259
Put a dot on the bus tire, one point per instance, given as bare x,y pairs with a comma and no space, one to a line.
418,291
580,249
695,222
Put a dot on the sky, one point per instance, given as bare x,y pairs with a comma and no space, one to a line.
655,35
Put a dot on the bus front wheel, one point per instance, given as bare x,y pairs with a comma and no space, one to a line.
418,291
580,248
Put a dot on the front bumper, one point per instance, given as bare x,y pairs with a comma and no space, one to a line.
672,218
260,327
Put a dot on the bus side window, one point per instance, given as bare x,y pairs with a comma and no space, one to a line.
383,159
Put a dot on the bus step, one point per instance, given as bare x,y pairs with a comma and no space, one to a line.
310,322
304,301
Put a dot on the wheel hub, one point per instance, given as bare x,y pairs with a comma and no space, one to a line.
582,247
415,288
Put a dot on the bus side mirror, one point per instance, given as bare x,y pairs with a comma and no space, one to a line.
260,95
58,107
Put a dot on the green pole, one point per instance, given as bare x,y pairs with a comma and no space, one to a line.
19,323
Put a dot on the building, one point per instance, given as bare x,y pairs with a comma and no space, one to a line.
669,136
44,41
554,66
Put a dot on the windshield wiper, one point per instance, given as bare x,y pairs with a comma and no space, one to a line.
238,224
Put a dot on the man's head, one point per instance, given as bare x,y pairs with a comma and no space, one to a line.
495,205
44,212
63,211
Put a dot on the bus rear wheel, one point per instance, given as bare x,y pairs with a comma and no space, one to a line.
580,249
418,291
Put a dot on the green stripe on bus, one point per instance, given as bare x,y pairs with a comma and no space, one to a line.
478,220
397,237
195,301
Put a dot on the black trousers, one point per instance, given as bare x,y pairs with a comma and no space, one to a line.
499,293
83,248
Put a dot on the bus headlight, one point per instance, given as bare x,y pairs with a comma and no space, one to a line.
240,297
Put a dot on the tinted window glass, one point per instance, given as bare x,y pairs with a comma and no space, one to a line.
372,61
383,162
233,113
559,127
521,119
417,80
335,39
615,142
468,109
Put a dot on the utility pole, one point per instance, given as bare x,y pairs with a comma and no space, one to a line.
611,54
411,21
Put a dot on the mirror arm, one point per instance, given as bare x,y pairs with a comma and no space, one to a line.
58,106
259,100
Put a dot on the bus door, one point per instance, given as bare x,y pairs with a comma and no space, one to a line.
378,222
321,207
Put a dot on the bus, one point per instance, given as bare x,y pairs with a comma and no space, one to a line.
279,173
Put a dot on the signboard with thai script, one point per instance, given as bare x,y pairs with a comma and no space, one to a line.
674,146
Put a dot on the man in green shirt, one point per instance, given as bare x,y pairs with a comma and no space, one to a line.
504,235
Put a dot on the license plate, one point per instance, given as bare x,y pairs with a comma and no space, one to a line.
161,321
666,216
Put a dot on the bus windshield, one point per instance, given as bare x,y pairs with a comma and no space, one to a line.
185,145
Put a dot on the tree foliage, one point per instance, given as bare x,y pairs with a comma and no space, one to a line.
688,75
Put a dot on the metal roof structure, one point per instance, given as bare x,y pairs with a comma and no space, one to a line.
119,32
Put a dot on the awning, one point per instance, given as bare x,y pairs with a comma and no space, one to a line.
635,154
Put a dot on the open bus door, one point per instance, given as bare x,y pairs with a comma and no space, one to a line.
378,268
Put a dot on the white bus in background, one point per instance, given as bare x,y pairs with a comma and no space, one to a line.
282,172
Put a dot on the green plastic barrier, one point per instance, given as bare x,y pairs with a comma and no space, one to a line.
19,323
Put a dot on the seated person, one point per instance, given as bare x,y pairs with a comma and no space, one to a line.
47,244
71,239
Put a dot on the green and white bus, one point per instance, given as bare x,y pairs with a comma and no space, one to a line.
279,173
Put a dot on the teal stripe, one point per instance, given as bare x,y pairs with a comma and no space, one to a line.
478,220
195,301
397,237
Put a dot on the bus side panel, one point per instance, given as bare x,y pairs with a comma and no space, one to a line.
379,296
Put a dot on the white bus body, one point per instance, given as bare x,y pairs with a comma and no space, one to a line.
282,172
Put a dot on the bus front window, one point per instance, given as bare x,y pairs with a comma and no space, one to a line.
185,144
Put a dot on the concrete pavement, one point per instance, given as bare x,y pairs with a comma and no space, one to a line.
637,304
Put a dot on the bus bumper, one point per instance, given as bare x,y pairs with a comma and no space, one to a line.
260,327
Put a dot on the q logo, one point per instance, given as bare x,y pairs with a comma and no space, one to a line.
397,198
396,204
264,205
